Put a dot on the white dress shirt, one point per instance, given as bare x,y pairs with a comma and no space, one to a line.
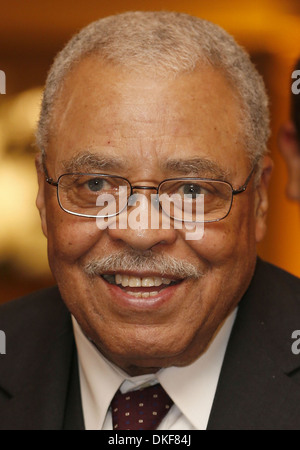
192,388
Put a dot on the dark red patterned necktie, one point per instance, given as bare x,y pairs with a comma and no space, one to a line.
143,409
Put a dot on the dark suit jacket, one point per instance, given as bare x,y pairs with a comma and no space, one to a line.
259,385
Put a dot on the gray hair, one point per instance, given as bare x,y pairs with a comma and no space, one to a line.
169,43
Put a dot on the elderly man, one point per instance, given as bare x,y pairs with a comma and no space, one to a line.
161,115
289,139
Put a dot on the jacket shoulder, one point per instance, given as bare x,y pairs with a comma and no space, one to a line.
35,369
29,322
276,281
44,303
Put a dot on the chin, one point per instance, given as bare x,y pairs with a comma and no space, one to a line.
147,354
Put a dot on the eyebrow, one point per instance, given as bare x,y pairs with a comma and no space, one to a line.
199,167
87,161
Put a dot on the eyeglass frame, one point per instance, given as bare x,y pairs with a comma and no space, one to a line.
234,192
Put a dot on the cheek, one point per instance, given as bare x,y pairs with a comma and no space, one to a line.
70,237
231,239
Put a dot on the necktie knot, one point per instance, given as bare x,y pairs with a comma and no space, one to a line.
143,409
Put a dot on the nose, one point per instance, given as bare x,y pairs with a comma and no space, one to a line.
143,239
141,226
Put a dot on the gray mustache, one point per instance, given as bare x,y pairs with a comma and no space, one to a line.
146,262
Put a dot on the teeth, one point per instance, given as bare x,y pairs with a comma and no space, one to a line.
130,281
143,295
134,282
148,282
118,278
157,281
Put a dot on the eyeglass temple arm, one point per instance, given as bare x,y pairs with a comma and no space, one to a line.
244,187
48,179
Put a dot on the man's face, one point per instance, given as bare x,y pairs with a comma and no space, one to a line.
133,125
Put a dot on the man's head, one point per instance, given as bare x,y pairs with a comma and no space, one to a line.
150,97
289,142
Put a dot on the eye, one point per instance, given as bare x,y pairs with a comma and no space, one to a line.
95,184
191,189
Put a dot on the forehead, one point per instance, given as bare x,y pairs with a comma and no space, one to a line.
134,115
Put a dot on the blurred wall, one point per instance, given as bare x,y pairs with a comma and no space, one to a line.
31,33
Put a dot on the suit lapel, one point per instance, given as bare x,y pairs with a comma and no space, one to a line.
259,385
73,417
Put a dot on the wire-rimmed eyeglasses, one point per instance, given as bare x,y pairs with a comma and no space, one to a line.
96,195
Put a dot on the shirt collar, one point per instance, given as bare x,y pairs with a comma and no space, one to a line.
193,387
188,386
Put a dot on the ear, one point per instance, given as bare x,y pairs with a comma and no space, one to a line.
289,147
261,198
40,200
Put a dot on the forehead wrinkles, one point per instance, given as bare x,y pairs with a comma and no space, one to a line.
151,122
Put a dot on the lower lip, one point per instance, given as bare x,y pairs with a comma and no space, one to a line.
124,299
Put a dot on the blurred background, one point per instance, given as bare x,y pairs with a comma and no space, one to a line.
33,31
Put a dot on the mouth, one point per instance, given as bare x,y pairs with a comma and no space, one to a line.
140,287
